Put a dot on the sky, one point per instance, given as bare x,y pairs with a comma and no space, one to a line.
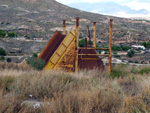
133,4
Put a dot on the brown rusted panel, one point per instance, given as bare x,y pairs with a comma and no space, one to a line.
51,46
89,64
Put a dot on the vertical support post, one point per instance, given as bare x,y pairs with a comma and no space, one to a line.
110,46
85,42
64,27
94,34
76,43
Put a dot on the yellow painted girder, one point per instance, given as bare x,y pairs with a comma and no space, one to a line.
60,52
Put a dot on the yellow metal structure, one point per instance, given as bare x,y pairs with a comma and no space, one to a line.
64,55
68,56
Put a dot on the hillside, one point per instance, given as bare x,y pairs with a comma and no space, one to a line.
40,18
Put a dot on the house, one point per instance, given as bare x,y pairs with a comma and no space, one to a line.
138,47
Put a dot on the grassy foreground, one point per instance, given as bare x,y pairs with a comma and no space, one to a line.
126,90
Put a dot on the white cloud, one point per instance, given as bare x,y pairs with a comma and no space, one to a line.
138,5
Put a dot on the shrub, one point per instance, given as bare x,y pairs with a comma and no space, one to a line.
146,44
35,55
2,33
37,64
119,71
130,53
115,53
106,52
12,34
82,43
145,70
120,48
2,52
8,60
117,56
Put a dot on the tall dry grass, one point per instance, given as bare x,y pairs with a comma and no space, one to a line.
126,90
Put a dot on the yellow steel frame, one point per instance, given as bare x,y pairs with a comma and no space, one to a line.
60,52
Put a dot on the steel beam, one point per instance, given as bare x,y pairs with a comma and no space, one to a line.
64,27
94,34
76,42
110,46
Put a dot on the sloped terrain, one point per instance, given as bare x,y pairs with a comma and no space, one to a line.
40,18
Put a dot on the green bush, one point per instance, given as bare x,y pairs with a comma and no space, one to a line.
117,56
106,52
82,43
37,64
130,53
12,34
2,22
2,52
119,71
120,48
8,60
145,70
35,55
2,33
146,44
115,53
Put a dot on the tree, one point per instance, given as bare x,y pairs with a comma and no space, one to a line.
2,33
144,44
12,34
130,53
35,55
2,52
8,60
82,43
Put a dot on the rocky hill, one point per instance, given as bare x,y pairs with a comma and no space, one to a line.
40,18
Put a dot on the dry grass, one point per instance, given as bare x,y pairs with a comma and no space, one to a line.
83,92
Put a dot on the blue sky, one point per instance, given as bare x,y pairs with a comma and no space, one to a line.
134,4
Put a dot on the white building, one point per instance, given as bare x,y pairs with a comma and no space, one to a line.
138,46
